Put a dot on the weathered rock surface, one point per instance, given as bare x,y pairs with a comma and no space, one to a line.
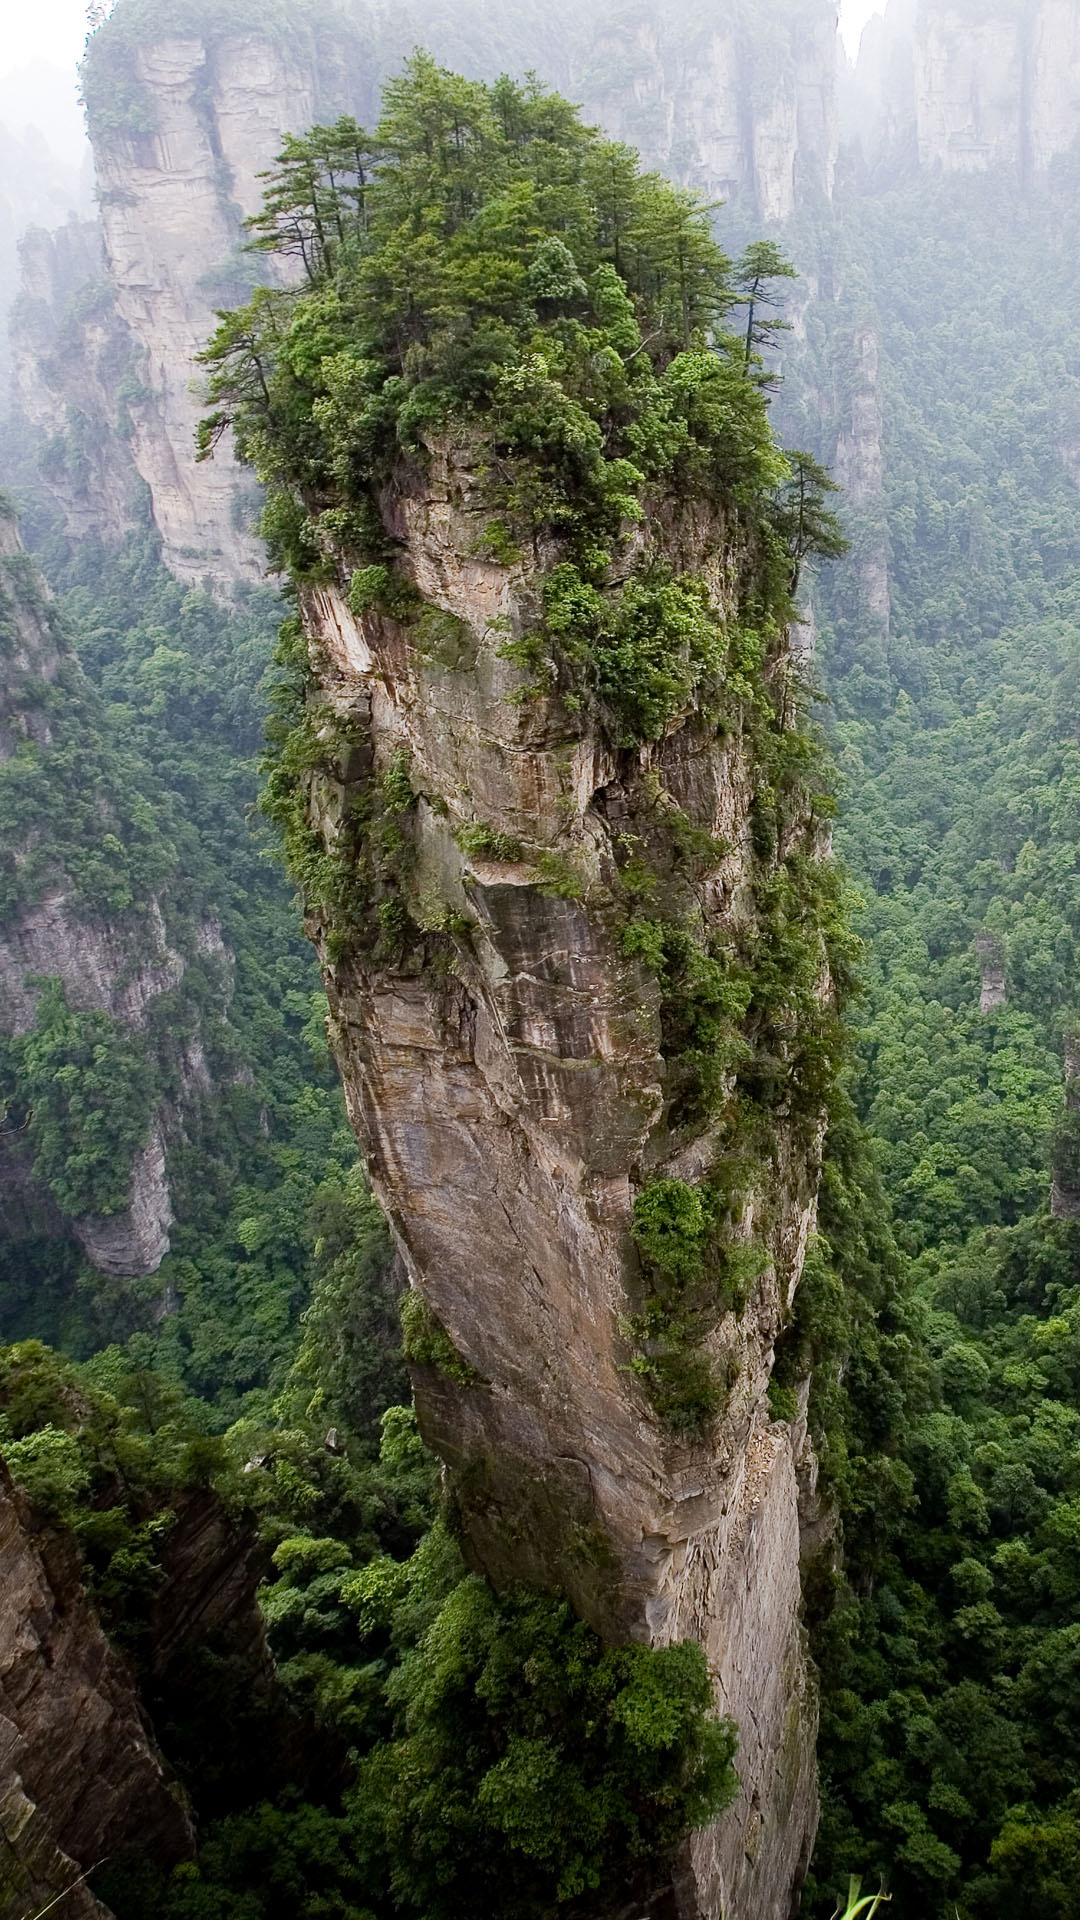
167,225
1065,1186
73,363
991,960
968,91
514,1103
712,106
80,1776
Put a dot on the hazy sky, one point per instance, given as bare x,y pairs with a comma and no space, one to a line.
854,15
52,30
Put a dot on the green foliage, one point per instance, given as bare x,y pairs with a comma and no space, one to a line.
426,1343
77,808
105,1465
481,842
90,1091
759,275
673,1224
347,1368
268,1158
696,1270
948,1761
532,1766
484,262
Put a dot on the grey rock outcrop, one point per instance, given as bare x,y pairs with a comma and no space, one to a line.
80,1776
967,90
993,991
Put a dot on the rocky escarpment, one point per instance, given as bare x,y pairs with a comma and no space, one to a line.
80,1776
745,107
122,963
74,381
968,90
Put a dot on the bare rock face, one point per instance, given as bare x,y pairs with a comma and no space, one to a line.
73,362
972,91
993,991
135,1241
167,226
710,106
510,1085
859,466
80,1776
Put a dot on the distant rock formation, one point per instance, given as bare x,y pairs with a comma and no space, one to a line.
992,972
114,313
967,90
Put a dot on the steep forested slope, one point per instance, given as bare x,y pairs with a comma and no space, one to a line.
944,378
164,730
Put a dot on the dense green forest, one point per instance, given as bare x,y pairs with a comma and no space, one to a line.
169,719
948,1752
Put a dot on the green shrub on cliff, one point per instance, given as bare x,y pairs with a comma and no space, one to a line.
533,1767
485,265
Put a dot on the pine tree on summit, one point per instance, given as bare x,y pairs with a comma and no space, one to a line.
757,278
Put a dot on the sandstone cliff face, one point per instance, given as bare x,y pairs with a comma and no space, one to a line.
80,1776
73,363
997,87
512,1100
119,965
722,108
169,226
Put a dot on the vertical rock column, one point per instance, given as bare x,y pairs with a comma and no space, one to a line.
172,201
510,1072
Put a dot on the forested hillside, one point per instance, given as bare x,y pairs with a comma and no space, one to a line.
950,352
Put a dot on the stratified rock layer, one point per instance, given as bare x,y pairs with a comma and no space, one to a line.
80,1777
510,1090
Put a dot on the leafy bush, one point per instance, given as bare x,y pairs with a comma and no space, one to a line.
91,1091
